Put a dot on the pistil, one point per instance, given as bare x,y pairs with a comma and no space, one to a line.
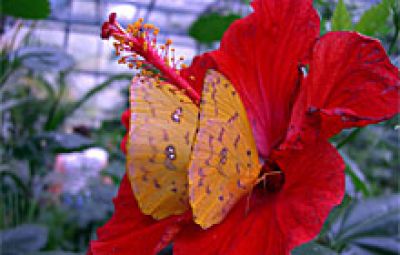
137,47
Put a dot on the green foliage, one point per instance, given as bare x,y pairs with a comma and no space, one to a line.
23,239
210,27
358,179
341,19
313,248
26,9
374,20
368,227
360,227
33,133
61,142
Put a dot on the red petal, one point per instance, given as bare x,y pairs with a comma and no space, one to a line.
125,118
196,72
351,84
123,143
315,183
260,54
276,223
129,231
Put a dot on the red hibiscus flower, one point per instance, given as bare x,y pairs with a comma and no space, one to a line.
350,83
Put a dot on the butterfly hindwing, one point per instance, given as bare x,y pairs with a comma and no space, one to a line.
224,164
162,127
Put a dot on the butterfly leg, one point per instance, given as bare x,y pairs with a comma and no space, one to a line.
263,179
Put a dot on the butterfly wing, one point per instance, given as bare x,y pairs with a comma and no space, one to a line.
224,163
162,127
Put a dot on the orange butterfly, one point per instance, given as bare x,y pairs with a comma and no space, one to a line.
224,163
162,128
162,167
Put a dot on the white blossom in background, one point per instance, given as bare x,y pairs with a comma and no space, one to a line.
73,171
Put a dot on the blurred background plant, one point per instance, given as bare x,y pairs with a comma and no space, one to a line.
61,94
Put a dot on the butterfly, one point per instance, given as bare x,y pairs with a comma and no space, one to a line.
162,128
224,163
181,156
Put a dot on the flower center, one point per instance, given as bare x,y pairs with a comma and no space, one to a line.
273,178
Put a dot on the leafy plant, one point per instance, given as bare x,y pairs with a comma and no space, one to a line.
210,27
374,20
341,19
26,9
23,239
363,227
33,111
368,227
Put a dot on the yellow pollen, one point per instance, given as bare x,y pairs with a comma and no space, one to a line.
122,60
137,25
192,77
130,28
169,42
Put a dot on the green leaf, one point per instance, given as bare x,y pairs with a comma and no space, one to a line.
23,239
95,90
313,248
16,179
353,135
210,27
374,20
357,176
26,9
375,245
366,224
62,113
62,142
341,19
45,58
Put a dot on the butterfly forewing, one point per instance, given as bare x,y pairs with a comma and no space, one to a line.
162,127
224,164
